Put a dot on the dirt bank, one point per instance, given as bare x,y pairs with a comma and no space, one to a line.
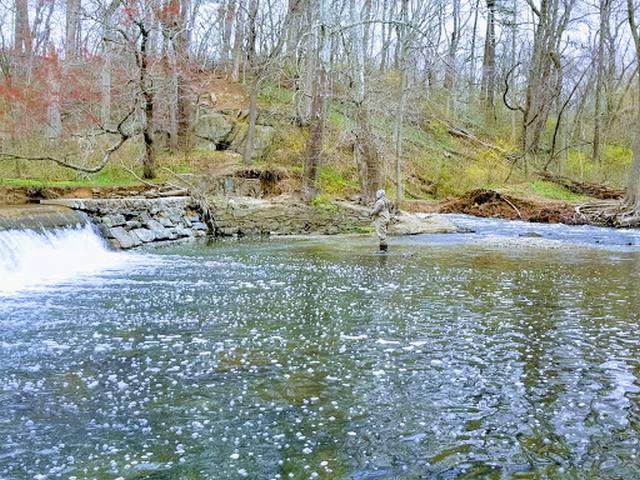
489,203
20,195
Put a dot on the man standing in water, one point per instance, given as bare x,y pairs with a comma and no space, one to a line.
382,216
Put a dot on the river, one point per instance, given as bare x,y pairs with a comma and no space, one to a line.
480,355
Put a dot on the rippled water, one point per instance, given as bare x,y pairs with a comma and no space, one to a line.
319,359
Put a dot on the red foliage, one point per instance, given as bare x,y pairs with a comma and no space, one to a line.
26,102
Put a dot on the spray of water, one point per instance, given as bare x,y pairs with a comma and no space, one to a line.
31,258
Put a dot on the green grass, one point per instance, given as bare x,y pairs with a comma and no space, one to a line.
99,181
555,192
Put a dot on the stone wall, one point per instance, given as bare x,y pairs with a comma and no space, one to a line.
132,222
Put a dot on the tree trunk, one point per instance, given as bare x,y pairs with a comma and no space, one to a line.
149,156
450,68
472,56
72,30
367,157
319,100
107,53
633,185
184,102
237,46
253,98
489,63
305,78
514,29
54,116
544,82
316,135
402,100
22,32
22,38
229,13
253,117
600,73
397,135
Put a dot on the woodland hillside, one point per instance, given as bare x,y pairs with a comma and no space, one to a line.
427,98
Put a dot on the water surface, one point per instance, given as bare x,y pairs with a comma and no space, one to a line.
449,358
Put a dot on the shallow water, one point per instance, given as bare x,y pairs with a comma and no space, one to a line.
448,358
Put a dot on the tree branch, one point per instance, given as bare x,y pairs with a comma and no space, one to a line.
64,160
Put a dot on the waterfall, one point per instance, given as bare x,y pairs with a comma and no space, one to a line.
32,258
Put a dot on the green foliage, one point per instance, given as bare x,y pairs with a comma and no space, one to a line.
275,96
337,182
339,120
323,203
288,147
578,165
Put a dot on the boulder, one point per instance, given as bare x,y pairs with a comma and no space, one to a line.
214,127
262,140
409,224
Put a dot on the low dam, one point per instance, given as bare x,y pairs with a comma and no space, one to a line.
38,217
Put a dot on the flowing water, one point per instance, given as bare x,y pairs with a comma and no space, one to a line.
483,355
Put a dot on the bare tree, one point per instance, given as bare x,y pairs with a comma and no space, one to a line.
633,186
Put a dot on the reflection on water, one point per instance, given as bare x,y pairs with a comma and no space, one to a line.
320,359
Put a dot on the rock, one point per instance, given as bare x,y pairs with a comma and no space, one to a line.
531,235
104,231
113,220
165,222
144,234
133,224
408,224
214,127
199,226
124,238
144,217
263,138
182,231
160,232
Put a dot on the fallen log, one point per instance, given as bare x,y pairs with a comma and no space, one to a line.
601,192
470,137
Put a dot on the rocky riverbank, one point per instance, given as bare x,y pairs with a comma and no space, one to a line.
132,222
285,216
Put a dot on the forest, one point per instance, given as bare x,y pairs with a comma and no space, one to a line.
428,98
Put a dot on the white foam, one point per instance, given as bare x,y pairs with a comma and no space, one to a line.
31,258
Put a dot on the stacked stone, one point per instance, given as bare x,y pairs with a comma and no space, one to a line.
129,223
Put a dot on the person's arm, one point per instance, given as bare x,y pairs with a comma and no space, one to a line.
377,207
